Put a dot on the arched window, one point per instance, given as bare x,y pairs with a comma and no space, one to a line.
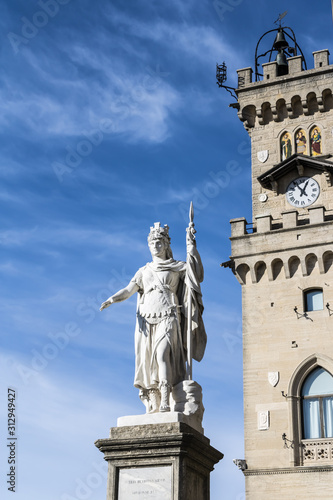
317,396
313,300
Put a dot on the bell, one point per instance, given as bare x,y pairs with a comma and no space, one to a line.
282,64
280,41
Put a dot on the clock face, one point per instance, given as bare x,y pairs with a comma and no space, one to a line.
302,192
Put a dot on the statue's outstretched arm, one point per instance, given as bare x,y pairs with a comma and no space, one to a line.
123,294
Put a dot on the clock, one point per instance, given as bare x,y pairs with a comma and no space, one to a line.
302,192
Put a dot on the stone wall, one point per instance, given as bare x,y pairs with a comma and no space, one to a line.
283,253
269,108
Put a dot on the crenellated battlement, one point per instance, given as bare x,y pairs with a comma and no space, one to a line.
290,219
276,98
307,241
321,61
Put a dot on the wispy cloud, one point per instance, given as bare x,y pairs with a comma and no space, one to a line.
137,98
140,93
201,42
69,235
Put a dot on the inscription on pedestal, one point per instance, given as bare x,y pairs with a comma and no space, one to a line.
141,483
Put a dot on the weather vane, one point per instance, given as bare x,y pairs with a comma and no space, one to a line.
279,19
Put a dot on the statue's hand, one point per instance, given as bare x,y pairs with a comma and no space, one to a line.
190,238
106,304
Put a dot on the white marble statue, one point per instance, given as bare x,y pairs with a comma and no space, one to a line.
167,290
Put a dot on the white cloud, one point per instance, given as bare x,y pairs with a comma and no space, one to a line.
70,234
12,237
136,93
201,42
138,100
9,268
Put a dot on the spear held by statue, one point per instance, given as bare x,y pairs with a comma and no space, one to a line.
195,336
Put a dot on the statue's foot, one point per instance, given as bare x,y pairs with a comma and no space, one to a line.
143,395
152,410
164,408
154,400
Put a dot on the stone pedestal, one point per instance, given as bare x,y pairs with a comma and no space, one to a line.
166,461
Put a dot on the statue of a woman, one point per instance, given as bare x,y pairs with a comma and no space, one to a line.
163,286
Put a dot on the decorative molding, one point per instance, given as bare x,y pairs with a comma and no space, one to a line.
328,177
285,257
305,107
279,170
317,451
260,116
300,168
275,113
289,470
321,264
320,102
286,269
263,420
280,106
253,275
274,184
270,273
290,110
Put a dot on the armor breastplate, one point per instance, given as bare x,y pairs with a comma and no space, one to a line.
156,305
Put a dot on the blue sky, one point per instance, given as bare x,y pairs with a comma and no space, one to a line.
111,120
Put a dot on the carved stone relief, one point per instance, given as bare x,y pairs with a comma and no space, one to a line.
273,378
263,420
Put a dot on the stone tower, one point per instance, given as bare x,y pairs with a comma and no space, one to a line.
284,262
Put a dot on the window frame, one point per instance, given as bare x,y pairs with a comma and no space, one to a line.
295,402
305,301
321,414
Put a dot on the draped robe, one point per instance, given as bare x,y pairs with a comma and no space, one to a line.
162,314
